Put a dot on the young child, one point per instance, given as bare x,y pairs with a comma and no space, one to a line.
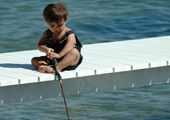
58,42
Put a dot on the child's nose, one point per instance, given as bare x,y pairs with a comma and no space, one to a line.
57,28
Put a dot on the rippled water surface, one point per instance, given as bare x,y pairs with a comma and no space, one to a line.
94,21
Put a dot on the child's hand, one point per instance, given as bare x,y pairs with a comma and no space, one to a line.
58,56
53,55
49,51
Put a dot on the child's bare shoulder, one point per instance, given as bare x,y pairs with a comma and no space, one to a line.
45,33
68,29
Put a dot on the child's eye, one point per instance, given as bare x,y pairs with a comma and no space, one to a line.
61,25
52,26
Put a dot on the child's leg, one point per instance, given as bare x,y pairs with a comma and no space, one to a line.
41,64
70,59
37,61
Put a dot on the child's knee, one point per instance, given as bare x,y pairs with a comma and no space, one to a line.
74,52
33,60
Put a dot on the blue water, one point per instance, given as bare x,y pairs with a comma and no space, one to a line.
94,21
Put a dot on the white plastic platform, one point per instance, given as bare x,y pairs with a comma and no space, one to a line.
105,66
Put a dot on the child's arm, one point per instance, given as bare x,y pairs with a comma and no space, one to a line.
69,45
41,45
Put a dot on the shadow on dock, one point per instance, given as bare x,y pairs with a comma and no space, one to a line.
14,65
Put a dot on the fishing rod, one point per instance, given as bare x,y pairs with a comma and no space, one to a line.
57,74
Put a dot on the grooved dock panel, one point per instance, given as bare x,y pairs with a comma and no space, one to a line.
105,66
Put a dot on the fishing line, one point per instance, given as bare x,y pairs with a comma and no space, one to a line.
54,60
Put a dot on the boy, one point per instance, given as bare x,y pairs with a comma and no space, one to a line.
58,42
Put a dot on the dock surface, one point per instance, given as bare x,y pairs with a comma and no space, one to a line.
105,66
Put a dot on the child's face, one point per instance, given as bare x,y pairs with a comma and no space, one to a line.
57,28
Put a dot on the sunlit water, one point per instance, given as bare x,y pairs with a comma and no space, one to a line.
94,21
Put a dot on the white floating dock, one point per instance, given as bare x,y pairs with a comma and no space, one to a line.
106,66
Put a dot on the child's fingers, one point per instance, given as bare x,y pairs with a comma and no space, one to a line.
51,50
50,55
